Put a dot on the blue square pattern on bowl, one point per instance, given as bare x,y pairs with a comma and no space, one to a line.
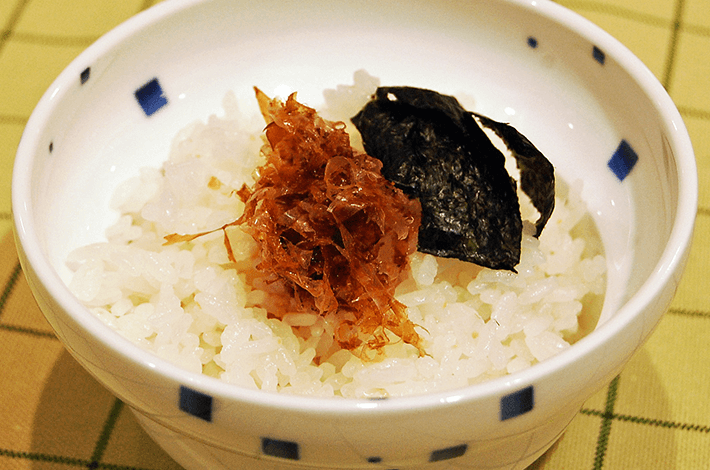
85,74
623,160
282,449
151,97
517,403
448,453
200,405
195,403
598,55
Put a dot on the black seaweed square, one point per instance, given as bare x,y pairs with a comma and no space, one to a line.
196,403
281,449
151,98
517,403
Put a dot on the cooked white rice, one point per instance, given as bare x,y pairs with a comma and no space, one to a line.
189,305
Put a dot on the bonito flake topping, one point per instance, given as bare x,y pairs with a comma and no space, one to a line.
334,235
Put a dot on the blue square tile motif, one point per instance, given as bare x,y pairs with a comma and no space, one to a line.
517,403
598,55
282,449
448,453
623,160
151,97
85,75
196,403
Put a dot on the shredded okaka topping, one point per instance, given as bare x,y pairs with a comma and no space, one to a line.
334,235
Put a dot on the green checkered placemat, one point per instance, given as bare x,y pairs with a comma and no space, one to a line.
656,414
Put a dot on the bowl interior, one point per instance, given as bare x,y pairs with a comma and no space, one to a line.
568,94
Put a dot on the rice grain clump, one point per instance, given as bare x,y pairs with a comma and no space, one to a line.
191,305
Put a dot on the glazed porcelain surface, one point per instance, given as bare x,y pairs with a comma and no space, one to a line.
590,106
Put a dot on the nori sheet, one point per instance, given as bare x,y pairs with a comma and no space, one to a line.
435,151
537,175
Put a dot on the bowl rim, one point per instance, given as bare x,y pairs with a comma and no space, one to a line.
671,260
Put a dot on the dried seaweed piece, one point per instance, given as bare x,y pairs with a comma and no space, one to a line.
434,150
537,175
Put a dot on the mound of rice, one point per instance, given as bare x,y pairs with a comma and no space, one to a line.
189,305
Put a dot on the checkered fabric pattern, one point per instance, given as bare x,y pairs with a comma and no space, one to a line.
654,415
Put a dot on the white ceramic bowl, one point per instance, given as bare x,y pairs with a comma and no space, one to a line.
584,99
